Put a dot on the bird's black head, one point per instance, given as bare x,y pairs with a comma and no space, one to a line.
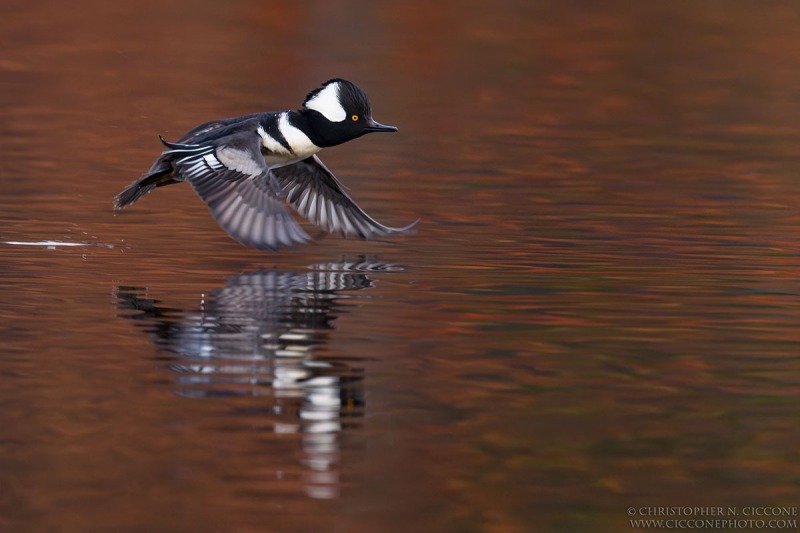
339,111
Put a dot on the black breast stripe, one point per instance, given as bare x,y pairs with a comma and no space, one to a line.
271,128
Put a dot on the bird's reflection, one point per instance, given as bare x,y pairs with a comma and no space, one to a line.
257,336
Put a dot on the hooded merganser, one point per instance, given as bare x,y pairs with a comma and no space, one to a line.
246,167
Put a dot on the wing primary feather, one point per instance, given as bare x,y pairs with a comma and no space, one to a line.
312,208
257,229
241,193
347,226
334,218
320,197
302,206
322,216
242,218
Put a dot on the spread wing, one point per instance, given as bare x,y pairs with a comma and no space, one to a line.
233,179
317,195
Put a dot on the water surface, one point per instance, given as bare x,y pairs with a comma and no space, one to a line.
600,308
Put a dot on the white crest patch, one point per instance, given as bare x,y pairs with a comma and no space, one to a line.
327,102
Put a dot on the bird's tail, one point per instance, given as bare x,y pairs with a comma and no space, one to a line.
142,186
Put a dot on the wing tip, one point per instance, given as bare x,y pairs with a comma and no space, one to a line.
407,230
274,246
386,231
290,235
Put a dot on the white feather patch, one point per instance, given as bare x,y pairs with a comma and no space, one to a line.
213,162
302,146
327,102
270,143
238,160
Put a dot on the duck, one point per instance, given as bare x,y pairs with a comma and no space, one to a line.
252,170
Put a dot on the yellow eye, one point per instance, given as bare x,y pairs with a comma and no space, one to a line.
354,118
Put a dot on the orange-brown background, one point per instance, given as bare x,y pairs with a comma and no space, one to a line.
600,309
